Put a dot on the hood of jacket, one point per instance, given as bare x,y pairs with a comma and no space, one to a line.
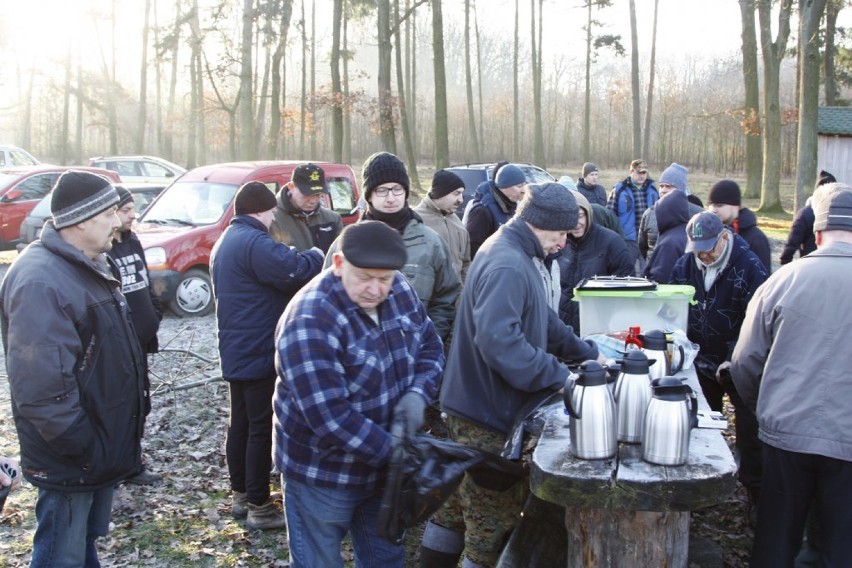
746,219
583,204
672,210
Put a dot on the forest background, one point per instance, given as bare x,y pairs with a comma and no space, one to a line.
714,85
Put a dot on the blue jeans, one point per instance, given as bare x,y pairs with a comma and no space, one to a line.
67,526
318,518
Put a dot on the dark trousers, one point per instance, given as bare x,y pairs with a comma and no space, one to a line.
750,460
791,483
248,446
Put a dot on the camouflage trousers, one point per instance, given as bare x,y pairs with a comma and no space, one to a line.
485,517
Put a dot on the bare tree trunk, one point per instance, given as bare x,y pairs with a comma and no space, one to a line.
313,105
168,137
195,133
347,114
158,82
66,110
587,107
481,125
471,113
516,102
538,131
773,52
142,117
810,14
403,111
386,102
751,118
78,133
442,131
649,103
279,79
832,9
634,81
304,106
337,100
246,110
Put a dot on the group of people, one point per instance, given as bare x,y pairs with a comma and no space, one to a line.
334,341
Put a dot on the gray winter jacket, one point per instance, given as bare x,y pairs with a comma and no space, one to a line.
507,339
792,360
450,228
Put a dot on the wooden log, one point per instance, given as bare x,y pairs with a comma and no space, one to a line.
625,539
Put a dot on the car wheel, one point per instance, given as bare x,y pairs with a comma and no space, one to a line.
193,294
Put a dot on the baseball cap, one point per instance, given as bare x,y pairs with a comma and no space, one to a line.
703,231
310,179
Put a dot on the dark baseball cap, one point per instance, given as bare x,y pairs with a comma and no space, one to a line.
703,231
310,179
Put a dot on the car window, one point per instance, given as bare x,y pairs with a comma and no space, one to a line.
198,203
342,195
20,158
125,168
2,158
154,170
37,186
536,175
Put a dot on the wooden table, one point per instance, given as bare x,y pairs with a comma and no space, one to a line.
621,511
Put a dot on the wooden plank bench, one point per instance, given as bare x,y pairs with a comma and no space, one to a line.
621,511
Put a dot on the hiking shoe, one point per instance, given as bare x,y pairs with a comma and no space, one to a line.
266,516
239,505
145,477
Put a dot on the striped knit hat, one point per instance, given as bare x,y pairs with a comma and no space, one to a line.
78,196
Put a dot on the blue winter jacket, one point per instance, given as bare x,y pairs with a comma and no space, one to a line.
254,277
629,202
717,314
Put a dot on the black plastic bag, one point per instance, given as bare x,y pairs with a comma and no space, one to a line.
422,474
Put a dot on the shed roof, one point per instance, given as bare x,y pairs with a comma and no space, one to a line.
835,120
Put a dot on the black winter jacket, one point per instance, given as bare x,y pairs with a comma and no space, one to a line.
130,269
801,237
746,227
672,215
75,368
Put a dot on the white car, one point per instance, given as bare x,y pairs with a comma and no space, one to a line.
139,169
14,156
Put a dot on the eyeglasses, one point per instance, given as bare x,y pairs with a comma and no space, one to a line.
383,191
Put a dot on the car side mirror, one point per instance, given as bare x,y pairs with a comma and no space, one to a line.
170,174
11,195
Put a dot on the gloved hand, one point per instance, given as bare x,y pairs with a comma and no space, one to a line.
410,410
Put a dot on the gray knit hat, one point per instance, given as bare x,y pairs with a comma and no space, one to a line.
78,196
549,206
588,168
832,204
675,175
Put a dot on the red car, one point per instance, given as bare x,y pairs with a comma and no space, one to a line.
180,227
22,187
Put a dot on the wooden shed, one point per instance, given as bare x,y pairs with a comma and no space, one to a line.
834,142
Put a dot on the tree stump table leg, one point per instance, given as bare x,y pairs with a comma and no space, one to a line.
614,538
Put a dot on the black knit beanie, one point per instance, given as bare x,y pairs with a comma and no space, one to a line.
124,196
78,196
444,183
824,177
373,244
725,192
253,197
383,167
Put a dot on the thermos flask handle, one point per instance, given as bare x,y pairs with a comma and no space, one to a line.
567,395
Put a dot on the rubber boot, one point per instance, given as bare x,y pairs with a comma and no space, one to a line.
441,547
266,516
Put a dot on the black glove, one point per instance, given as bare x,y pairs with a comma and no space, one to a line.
409,410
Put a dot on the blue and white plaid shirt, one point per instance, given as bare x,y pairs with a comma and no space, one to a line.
340,374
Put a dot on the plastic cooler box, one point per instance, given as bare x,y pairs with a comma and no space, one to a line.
604,311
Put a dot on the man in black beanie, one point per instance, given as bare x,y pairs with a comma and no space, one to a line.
254,277
76,371
438,210
429,267
357,353
725,200
130,268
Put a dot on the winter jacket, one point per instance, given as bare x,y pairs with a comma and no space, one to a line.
671,214
131,269
507,340
629,202
489,211
75,368
746,226
606,218
449,227
792,359
294,227
430,271
599,252
593,193
253,279
717,314
801,237
649,233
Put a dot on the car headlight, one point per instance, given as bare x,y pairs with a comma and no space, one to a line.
156,258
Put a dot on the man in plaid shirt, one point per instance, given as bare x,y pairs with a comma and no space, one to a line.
355,352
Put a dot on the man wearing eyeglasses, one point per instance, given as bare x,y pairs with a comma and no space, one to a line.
628,200
429,268
725,273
